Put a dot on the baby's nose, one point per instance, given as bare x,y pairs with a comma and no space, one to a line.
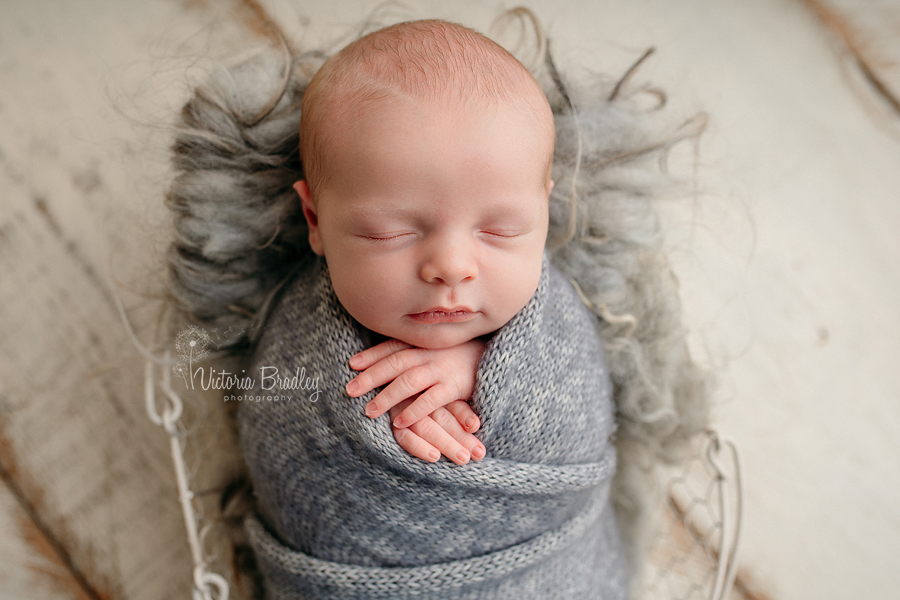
450,263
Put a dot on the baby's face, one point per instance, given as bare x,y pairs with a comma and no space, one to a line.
433,220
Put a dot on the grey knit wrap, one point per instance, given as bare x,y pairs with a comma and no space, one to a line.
344,512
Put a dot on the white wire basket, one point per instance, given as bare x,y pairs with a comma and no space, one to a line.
694,554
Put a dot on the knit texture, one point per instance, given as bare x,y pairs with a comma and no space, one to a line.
344,512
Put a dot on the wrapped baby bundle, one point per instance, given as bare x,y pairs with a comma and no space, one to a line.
341,510
344,512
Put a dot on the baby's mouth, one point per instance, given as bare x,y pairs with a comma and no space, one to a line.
444,315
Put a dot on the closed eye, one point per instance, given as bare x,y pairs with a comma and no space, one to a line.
502,234
385,238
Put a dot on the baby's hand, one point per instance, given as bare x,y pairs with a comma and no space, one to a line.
439,433
422,382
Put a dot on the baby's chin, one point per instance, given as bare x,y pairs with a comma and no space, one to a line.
436,337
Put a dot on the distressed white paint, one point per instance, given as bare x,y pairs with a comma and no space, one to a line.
26,573
81,447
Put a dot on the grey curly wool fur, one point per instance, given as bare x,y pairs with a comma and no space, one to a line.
346,513
238,224
239,234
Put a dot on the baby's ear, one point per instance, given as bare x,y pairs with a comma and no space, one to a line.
312,218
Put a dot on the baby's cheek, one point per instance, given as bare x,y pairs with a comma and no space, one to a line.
355,296
519,285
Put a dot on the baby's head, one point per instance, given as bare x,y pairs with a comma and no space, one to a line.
427,149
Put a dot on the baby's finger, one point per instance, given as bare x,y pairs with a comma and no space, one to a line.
407,385
432,433
416,446
446,420
435,397
465,415
385,370
370,356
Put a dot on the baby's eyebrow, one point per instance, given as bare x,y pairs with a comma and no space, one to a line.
377,208
504,207
509,207
492,210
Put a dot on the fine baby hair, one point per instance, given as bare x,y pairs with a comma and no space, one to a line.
240,237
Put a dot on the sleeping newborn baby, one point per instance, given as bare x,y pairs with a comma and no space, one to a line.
426,151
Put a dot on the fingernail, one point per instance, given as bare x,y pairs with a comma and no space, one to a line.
462,455
399,423
355,360
478,452
471,422
433,455
352,386
371,407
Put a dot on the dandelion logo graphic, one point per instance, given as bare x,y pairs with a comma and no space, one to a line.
192,345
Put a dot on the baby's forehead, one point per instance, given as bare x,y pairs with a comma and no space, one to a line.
434,64
429,61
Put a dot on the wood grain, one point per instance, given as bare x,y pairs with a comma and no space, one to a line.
88,485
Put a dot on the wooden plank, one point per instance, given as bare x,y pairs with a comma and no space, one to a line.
78,442
31,567
75,446
867,37
91,472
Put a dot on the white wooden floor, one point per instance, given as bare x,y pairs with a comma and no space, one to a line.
788,261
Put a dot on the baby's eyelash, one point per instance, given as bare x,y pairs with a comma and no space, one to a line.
501,235
384,238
